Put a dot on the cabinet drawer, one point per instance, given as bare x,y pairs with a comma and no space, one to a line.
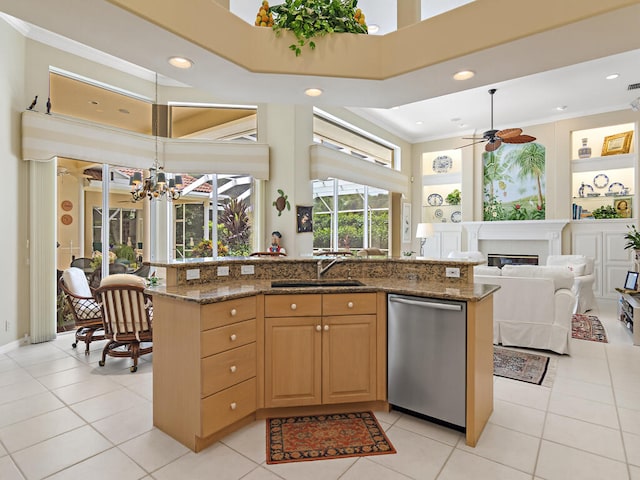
228,368
348,303
228,406
219,314
231,336
292,305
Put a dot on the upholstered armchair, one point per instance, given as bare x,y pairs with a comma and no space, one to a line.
581,267
86,311
126,313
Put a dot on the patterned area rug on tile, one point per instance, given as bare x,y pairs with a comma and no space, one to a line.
588,327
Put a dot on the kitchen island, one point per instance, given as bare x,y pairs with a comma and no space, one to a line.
230,350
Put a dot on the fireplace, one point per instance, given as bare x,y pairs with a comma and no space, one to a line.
500,260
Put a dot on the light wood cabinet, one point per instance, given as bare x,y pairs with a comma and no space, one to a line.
323,351
205,366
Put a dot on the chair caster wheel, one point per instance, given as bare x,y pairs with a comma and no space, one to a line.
74,345
133,369
101,363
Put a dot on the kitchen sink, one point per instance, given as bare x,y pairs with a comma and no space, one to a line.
315,283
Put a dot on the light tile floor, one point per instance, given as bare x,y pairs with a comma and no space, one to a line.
63,417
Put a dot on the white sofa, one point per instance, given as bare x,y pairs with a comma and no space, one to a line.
582,269
533,307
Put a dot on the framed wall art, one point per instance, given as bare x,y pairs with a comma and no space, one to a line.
406,223
304,218
617,144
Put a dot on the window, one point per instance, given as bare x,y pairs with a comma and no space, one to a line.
348,216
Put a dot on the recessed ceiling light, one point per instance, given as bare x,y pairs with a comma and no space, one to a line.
313,92
561,108
613,76
124,111
419,122
463,75
373,28
180,62
94,102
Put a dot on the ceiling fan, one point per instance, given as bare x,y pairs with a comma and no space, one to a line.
495,138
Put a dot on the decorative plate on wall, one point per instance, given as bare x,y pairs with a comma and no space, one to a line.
600,180
585,189
435,200
456,217
66,205
66,219
442,164
438,213
616,188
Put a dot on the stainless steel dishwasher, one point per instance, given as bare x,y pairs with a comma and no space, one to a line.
426,357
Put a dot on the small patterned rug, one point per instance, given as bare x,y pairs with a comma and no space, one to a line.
516,365
588,327
319,437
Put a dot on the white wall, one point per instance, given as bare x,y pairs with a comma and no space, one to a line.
14,294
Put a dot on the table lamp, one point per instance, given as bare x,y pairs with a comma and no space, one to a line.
424,231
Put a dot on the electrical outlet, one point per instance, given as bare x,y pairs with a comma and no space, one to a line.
247,270
452,272
223,271
193,274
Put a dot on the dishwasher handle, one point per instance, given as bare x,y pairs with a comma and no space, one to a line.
417,303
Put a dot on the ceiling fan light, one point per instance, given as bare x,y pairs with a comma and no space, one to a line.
464,75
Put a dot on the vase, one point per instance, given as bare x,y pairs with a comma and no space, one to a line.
584,151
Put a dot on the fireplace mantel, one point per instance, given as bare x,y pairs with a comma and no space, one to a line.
525,230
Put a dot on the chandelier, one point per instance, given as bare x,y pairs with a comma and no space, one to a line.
156,185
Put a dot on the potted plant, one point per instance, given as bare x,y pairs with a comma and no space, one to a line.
454,197
308,19
633,241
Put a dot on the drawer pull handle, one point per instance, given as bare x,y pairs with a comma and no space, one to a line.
234,312
294,306
350,304
233,368
326,328
233,405
318,328
233,337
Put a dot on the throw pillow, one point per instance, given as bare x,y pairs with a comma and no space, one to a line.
576,268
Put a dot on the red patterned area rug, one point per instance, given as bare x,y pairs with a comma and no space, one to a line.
320,437
588,327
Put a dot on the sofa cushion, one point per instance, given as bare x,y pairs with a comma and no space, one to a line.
487,271
123,279
569,260
562,278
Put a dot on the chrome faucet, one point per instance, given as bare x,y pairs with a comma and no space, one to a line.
322,270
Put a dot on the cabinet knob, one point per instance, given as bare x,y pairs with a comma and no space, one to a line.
350,304
233,312
232,369
294,306
233,337
318,328
233,406
326,328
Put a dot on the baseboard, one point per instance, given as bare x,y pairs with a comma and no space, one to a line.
15,344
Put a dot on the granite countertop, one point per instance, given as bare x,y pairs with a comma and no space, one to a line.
211,293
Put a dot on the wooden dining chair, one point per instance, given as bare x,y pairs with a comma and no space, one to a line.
127,317
86,311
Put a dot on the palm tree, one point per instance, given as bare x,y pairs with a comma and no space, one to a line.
494,170
531,161
235,219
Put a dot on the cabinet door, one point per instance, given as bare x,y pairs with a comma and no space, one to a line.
349,358
293,361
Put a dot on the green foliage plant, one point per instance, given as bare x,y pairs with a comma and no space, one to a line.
126,252
454,197
605,211
632,237
308,19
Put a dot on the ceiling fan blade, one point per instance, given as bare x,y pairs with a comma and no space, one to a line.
509,132
473,138
519,139
472,143
493,145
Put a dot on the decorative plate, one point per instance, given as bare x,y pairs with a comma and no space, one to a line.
616,187
66,205
600,180
66,219
438,213
456,217
442,164
584,189
435,200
